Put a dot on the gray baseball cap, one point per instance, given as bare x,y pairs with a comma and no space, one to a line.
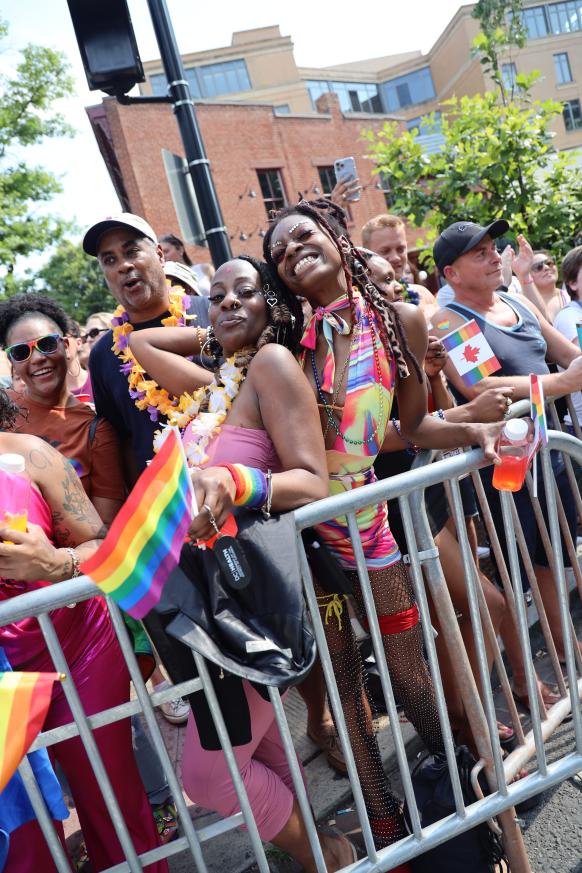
459,238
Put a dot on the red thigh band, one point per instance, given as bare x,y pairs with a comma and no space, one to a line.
398,621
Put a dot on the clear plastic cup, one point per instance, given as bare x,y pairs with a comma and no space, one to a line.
509,475
14,492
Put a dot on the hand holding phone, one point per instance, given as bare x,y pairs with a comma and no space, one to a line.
346,173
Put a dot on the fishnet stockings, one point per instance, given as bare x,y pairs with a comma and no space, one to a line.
411,682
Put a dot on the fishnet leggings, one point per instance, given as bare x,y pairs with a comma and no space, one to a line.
411,682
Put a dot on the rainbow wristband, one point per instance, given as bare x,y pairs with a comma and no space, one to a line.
250,483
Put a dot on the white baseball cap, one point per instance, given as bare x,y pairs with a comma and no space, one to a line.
183,274
123,219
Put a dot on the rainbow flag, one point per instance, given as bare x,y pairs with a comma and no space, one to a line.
470,353
538,409
24,702
143,544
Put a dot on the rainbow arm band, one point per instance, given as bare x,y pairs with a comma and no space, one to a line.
250,484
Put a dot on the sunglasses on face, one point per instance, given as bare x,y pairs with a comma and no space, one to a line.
93,333
46,345
549,262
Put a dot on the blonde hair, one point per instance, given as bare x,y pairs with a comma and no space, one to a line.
103,317
377,223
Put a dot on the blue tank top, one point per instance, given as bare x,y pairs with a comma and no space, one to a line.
521,348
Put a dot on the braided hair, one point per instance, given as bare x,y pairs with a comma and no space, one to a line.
9,411
285,324
332,219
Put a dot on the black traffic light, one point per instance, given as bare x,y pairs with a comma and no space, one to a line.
107,44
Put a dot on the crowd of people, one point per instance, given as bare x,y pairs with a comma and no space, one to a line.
312,372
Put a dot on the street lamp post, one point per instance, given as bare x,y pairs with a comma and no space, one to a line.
198,163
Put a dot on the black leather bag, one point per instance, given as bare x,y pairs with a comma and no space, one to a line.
261,632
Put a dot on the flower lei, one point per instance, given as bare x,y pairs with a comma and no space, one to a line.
217,398
147,394
409,295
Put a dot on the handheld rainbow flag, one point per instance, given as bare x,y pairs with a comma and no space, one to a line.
538,409
143,544
24,702
470,353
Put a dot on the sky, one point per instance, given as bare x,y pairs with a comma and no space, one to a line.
322,33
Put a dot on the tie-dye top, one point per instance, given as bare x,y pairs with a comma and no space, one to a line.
350,466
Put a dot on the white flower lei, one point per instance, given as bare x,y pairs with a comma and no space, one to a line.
205,425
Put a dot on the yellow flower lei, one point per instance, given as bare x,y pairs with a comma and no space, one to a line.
146,393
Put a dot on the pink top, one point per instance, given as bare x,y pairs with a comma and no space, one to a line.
244,445
82,630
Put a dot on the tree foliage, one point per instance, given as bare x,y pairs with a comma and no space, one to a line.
27,118
497,159
74,279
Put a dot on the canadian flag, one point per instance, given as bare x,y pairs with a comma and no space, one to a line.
470,353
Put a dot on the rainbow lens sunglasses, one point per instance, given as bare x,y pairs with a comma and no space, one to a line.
46,345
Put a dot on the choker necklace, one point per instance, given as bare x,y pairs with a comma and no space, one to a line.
146,393
202,414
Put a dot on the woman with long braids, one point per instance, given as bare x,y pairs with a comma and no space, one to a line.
256,419
357,350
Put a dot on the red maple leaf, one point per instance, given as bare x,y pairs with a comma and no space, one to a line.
471,354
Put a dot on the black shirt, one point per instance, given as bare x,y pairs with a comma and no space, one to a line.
111,392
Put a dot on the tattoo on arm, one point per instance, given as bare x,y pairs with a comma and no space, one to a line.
38,459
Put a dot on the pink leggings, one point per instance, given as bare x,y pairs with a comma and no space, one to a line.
102,682
262,765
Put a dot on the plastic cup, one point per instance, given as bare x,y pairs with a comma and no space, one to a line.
579,332
14,493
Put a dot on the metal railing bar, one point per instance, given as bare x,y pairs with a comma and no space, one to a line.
232,764
300,792
385,678
155,734
89,743
334,700
428,637
506,499
47,827
560,579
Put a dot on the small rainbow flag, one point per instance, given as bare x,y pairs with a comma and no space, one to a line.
538,409
470,353
143,544
24,702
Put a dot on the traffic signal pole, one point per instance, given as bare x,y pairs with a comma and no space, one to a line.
198,163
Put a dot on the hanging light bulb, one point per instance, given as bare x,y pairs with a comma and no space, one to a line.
252,194
243,237
262,232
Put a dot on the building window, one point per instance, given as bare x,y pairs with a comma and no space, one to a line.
535,22
425,124
326,179
353,96
408,90
272,190
283,109
564,17
572,115
211,80
509,75
383,184
563,71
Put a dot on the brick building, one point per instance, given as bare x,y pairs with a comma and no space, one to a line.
259,160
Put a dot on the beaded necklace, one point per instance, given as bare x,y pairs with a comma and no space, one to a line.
379,384
146,393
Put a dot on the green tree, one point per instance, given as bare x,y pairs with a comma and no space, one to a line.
502,30
74,279
27,118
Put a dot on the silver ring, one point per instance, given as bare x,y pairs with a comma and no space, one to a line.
211,518
508,402
344,197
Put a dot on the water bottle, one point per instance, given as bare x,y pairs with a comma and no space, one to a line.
14,492
509,475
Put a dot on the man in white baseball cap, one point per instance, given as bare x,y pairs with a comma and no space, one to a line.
122,219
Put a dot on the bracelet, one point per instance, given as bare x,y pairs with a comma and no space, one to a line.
411,449
75,563
250,485
440,414
266,507
200,336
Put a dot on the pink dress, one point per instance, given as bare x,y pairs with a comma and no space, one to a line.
262,762
98,669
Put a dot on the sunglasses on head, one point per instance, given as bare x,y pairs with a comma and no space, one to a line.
93,333
46,345
548,262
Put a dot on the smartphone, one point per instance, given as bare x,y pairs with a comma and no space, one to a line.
345,171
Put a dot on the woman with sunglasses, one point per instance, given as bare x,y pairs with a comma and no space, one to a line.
33,330
97,324
64,530
538,276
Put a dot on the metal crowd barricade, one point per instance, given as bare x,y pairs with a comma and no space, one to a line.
425,571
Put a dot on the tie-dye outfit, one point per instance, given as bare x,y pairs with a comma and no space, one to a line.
366,414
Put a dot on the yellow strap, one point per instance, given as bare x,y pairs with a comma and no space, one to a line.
333,605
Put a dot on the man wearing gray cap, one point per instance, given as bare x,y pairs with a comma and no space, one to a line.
521,339
132,261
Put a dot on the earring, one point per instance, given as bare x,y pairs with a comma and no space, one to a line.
269,295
